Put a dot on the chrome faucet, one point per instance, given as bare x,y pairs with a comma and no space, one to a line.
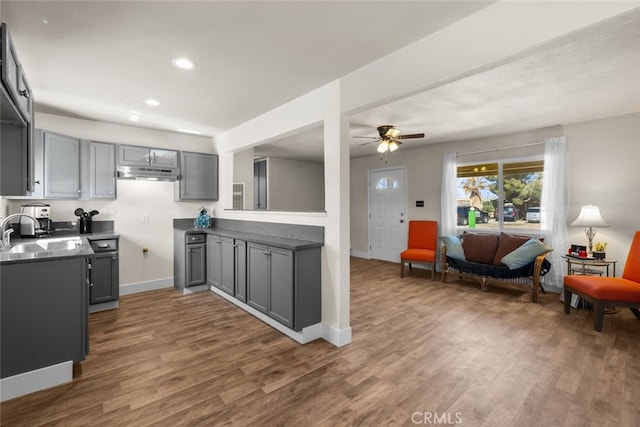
6,234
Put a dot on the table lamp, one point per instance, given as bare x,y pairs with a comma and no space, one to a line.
590,217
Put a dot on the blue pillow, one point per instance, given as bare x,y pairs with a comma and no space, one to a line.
525,254
454,247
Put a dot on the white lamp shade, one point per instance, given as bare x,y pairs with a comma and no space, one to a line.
590,217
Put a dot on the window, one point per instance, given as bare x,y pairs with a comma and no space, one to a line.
500,195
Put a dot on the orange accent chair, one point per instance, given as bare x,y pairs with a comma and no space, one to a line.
422,247
605,292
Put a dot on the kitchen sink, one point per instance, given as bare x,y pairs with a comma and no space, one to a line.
45,245
23,248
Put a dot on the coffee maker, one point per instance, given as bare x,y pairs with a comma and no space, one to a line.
40,212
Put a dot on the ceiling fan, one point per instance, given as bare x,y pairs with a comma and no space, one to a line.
389,138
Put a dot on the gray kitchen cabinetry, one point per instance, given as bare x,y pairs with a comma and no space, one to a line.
270,284
240,251
98,170
16,116
189,261
221,259
132,155
104,278
285,284
44,314
198,177
61,166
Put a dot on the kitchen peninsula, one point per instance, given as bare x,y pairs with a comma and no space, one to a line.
271,270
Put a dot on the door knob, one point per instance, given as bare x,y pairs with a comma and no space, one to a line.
402,221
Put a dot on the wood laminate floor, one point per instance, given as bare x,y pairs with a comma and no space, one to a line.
423,352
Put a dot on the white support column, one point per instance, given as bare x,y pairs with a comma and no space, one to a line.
336,264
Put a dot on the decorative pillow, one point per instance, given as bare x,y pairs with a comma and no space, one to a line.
454,247
508,243
525,254
480,247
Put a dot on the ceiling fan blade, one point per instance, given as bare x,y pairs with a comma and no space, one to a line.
368,137
412,135
366,143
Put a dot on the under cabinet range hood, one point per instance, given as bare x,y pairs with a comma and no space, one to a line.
151,164
148,173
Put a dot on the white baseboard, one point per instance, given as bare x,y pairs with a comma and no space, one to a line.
151,285
36,380
337,337
360,254
308,334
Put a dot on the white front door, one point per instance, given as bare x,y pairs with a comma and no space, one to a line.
387,214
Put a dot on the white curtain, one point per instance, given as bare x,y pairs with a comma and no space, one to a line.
448,195
555,208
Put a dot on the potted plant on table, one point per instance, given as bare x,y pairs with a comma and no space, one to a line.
599,250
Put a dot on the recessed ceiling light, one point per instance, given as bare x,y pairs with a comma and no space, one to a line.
184,63
152,102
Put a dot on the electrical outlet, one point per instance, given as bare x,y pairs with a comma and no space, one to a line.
145,217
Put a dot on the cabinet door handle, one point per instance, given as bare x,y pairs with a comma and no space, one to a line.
24,93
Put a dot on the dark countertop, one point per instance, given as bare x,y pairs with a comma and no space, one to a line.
56,246
265,239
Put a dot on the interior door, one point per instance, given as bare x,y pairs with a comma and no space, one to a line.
387,214
260,184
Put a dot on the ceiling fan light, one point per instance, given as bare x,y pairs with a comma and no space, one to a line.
383,146
393,146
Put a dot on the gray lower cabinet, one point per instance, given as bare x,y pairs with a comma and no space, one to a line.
104,272
221,258
43,314
196,264
284,284
189,259
240,264
61,166
198,177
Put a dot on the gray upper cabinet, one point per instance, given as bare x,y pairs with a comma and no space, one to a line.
14,77
61,166
101,168
131,155
199,177
16,132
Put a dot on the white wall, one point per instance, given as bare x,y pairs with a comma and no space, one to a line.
295,185
603,159
134,198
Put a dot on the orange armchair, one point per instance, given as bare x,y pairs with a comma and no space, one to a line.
422,247
605,292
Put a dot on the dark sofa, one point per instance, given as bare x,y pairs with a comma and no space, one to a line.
483,254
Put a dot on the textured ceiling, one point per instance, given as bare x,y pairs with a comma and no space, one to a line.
586,75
